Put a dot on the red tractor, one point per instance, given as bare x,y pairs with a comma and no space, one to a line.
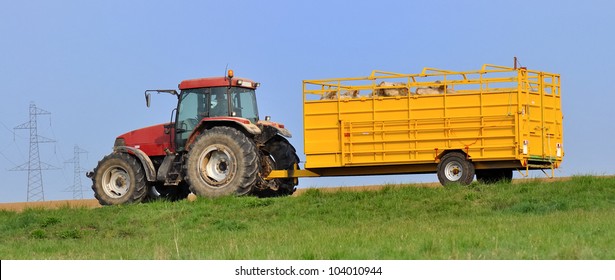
214,146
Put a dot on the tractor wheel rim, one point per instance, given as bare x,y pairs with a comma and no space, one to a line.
453,171
216,165
116,182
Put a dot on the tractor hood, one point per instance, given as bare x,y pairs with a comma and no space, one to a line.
152,140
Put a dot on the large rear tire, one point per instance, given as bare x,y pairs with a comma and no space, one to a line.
119,178
222,161
284,157
453,168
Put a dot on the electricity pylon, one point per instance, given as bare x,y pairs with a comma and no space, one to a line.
34,166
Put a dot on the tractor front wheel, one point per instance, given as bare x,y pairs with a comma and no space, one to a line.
119,178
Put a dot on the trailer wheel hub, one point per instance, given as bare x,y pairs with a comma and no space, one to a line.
453,171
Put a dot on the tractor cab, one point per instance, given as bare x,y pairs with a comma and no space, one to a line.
210,103
211,99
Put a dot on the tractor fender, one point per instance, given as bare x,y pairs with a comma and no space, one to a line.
241,124
148,165
270,130
280,129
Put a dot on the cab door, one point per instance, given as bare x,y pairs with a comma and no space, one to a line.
192,107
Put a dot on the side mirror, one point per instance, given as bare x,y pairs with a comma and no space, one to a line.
148,98
149,91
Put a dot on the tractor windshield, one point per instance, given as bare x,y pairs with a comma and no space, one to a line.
243,103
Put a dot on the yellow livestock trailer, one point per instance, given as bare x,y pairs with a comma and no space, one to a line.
487,122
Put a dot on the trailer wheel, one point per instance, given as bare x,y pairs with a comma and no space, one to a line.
119,178
454,167
222,161
284,157
492,176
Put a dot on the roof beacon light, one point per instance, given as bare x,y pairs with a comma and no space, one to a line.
230,74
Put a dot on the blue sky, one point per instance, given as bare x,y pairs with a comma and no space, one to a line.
88,63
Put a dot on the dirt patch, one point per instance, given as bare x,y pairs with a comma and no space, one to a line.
53,204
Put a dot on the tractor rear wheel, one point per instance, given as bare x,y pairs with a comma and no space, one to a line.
453,168
284,157
222,161
119,178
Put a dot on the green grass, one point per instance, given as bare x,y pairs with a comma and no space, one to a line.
533,220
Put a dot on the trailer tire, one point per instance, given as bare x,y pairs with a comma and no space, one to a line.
284,157
222,161
453,168
119,178
493,176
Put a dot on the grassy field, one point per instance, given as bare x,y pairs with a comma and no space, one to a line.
532,220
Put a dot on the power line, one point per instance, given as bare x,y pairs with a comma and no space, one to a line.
7,159
8,147
6,127
34,166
